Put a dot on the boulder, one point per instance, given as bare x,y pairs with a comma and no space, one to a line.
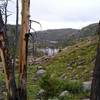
87,85
64,93
40,94
40,72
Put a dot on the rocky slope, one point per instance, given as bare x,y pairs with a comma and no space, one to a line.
66,72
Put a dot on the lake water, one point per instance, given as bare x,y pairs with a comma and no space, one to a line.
50,51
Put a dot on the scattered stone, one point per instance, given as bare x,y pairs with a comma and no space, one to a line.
40,94
41,60
79,67
40,72
68,65
35,79
64,93
69,68
74,77
82,61
87,85
63,77
39,67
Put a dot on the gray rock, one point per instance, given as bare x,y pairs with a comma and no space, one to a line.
68,65
74,77
64,93
35,79
41,92
63,77
87,85
39,67
79,67
40,72
69,68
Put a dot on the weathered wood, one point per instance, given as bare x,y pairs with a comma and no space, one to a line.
7,63
22,50
95,88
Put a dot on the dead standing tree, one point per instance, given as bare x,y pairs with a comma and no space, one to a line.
8,68
20,92
13,92
95,88
23,50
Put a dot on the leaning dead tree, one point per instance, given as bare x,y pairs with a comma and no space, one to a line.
5,55
7,62
14,92
95,88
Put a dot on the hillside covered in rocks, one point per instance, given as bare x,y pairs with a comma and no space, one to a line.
67,75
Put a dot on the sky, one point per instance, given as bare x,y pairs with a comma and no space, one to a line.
55,14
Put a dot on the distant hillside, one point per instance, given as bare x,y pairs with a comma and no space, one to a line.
58,37
66,36
57,34
89,30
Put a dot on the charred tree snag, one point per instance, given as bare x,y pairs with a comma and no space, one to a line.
7,63
22,50
95,88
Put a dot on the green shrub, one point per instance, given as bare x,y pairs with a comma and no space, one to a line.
54,86
50,85
73,86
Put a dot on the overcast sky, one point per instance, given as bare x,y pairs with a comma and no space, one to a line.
61,13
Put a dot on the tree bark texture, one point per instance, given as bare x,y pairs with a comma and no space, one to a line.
95,88
22,50
7,63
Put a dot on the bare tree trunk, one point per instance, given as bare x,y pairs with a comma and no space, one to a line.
8,68
95,88
16,36
22,50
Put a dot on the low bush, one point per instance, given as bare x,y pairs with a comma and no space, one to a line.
73,86
54,86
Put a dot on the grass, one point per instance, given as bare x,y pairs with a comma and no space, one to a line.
75,57
79,57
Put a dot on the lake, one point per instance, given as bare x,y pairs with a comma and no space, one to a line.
50,51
